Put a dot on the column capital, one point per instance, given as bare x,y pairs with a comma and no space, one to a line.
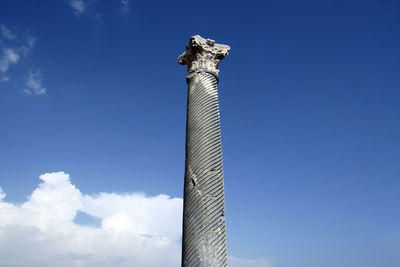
203,54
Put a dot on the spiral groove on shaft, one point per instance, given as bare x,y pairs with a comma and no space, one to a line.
204,237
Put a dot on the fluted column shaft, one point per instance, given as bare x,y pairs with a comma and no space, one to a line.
204,235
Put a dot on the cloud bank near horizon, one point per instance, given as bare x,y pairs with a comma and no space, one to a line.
135,229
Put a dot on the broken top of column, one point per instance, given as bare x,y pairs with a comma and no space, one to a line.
203,54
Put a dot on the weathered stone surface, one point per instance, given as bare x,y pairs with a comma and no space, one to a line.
203,54
204,231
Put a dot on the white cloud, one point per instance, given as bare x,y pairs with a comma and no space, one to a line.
79,6
126,7
34,82
6,33
8,57
136,230
240,262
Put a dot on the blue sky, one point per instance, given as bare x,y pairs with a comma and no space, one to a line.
310,109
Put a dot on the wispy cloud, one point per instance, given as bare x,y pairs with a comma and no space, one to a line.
241,262
7,33
88,8
125,7
30,44
34,83
14,49
78,6
9,56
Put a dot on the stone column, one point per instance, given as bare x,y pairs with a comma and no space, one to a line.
204,236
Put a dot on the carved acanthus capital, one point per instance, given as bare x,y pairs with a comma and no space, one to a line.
203,54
